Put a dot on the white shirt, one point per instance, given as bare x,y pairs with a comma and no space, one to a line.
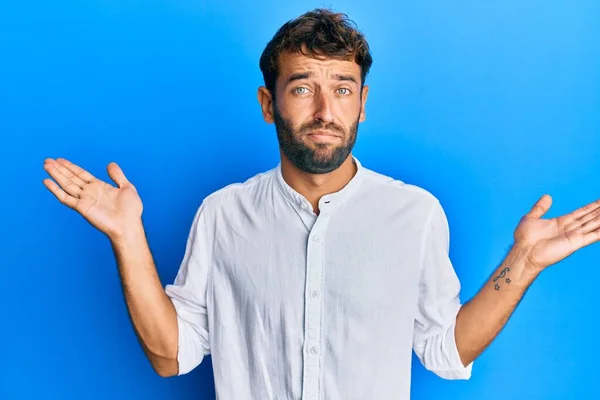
292,305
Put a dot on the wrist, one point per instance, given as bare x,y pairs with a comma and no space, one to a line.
132,231
523,271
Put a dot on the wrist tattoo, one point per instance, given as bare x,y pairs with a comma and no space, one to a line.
500,276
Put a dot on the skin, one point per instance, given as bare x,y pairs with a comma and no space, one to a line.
116,211
538,244
319,100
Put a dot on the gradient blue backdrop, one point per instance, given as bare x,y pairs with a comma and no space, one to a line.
488,105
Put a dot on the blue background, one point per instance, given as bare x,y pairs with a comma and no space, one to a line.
488,105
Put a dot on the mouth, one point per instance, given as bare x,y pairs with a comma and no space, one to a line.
324,134
324,138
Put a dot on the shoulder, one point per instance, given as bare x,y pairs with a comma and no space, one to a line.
424,208
236,192
378,183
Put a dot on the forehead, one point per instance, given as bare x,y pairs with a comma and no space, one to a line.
292,63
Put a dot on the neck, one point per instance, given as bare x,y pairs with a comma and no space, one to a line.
315,186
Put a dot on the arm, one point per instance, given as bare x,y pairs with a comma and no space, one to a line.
481,319
538,244
171,322
116,212
151,311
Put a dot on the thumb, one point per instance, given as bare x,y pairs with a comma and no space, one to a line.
116,174
541,207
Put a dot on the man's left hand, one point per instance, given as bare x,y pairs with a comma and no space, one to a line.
547,241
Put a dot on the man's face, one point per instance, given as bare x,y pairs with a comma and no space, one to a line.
317,109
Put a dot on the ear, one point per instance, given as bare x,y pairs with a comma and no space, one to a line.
365,93
265,99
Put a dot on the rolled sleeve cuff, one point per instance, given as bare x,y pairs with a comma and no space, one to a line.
193,339
188,356
453,368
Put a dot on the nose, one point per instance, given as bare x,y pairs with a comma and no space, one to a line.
324,111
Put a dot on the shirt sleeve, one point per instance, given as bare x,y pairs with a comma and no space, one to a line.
438,305
188,294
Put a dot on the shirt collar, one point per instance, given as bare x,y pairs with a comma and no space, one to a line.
332,199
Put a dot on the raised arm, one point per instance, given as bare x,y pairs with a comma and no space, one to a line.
538,243
116,211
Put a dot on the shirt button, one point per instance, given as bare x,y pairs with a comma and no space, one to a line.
314,294
317,238
314,350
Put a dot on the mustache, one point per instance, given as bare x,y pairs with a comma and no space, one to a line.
321,126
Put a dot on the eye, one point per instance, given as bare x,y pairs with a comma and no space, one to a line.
296,90
347,91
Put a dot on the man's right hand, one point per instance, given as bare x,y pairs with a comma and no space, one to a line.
117,212
110,209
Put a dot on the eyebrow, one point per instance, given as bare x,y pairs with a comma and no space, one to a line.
305,75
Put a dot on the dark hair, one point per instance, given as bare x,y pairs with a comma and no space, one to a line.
320,33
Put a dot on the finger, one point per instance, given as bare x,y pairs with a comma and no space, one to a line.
591,237
66,184
587,217
76,170
69,174
585,210
60,194
540,207
591,225
116,174
580,213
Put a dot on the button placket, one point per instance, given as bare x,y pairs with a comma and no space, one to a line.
314,281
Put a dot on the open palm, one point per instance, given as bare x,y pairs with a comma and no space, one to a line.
106,207
547,241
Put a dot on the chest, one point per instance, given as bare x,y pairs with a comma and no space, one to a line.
278,272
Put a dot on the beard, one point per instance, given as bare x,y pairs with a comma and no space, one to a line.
324,157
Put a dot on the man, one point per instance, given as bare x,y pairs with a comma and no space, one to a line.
318,278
